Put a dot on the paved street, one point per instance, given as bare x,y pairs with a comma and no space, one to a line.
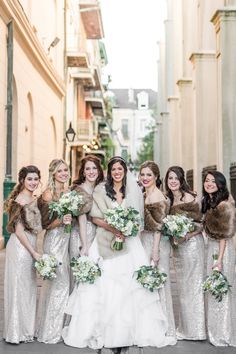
183,347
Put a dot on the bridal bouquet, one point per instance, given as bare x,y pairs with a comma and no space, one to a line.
69,203
150,277
84,270
46,266
125,220
176,227
216,283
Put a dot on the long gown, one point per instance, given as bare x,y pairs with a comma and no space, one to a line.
221,316
190,271
115,311
54,293
154,213
20,286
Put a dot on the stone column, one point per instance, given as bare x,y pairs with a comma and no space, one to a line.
175,131
225,26
205,142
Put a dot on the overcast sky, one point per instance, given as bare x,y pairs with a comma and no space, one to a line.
132,29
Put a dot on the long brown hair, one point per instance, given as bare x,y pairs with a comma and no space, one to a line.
24,171
81,176
184,187
155,170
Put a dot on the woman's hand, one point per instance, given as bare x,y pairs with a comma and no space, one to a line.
118,234
218,264
67,219
155,257
36,256
189,235
83,251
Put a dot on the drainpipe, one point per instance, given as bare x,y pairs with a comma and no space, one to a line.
8,184
65,79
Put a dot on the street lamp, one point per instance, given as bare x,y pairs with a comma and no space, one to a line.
70,136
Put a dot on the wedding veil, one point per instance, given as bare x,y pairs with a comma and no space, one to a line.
134,196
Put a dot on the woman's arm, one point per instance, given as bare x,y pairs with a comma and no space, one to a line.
155,248
20,233
102,223
83,234
198,230
218,263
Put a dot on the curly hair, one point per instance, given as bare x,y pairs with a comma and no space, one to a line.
155,170
110,183
53,168
81,176
22,174
184,187
221,194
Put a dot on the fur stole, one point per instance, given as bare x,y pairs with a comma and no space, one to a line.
220,222
154,214
87,198
101,202
190,209
28,215
44,210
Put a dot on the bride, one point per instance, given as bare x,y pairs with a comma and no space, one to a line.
115,311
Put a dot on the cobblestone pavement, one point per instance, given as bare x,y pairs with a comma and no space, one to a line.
183,347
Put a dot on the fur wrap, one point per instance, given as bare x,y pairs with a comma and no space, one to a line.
220,222
101,202
28,215
189,209
154,213
88,200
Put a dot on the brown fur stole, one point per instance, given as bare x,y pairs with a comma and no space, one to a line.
154,214
189,209
220,222
16,214
87,198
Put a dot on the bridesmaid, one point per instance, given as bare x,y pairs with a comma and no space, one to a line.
90,175
218,208
158,249
188,258
54,293
20,286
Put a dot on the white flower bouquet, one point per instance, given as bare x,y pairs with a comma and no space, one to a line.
69,203
216,284
150,277
125,220
46,266
176,227
84,270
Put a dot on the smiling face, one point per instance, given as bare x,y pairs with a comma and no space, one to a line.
62,174
173,181
117,172
147,177
210,184
90,171
31,182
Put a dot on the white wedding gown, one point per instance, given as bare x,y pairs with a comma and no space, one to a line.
116,311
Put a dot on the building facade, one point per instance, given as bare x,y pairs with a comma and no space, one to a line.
196,89
133,112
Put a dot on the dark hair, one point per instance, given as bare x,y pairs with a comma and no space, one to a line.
184,187
110,183
221,194
81,177
24,171
155,170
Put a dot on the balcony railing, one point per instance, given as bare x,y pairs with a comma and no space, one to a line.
87,130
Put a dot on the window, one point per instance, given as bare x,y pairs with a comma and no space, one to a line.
124,154
125,128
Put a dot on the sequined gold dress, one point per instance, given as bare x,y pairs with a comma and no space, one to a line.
54,293
20,286
154,214
221,316
189,266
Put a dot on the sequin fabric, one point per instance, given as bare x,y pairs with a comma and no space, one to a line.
54,293
164,265
20,286
75,242
221,316
189,266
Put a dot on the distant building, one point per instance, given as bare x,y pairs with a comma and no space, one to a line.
132,116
